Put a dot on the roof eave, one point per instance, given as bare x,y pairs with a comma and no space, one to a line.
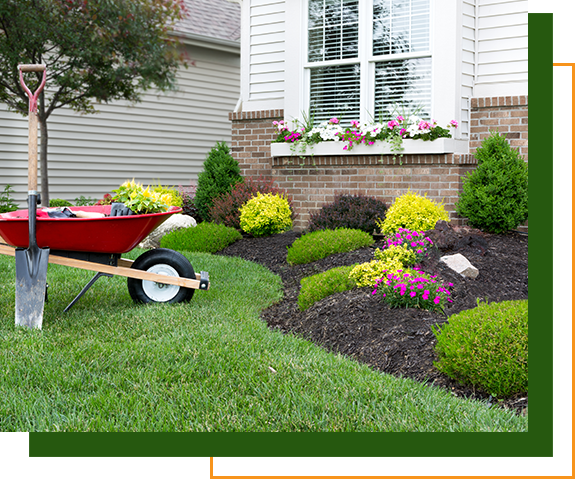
209,42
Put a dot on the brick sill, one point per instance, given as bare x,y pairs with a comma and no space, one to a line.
439,146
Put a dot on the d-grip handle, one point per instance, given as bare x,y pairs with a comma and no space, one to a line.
32,122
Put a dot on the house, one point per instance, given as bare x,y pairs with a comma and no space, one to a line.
453,59
165,138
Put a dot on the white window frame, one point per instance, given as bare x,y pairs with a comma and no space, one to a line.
445,42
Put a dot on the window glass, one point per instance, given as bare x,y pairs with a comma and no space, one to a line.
335,91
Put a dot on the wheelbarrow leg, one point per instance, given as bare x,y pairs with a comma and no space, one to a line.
84,290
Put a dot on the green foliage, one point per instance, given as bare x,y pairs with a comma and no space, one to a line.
226,208
494,196
349,211
205,237
57,202
487,347
175,199
317,245
85,201
266,214
6,201
317,287
413,212
221,172
140,200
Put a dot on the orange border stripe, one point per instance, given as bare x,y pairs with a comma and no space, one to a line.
562,464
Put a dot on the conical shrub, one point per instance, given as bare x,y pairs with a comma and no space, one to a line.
494,196
221,172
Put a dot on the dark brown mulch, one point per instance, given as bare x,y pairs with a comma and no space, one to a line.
394,341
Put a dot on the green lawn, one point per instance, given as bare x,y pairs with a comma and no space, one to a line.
111,365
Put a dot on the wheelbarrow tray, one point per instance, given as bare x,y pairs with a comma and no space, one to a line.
112,235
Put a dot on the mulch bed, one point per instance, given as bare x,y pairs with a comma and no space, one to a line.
395,341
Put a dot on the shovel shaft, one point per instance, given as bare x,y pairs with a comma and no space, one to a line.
32,152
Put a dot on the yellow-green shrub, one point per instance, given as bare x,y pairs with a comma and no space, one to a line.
413,212
266,214
175,198
391,260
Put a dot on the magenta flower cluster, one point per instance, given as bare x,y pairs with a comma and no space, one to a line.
415,240
413,290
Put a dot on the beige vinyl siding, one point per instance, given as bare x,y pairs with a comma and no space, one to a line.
502,48
266,49
164,138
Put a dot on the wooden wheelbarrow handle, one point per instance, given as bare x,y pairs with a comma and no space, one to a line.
27,68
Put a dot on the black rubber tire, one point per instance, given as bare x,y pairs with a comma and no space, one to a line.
164,257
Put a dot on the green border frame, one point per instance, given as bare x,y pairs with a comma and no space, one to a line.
536,442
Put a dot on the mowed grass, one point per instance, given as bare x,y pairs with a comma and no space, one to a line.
210,365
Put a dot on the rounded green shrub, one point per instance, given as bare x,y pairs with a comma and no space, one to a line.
317,245
57,202
317,287
205,237
494,196
487,347
414,212
266,214
221,172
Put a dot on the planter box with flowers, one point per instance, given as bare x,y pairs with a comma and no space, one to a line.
399,136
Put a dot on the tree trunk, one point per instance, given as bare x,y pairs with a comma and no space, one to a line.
44,139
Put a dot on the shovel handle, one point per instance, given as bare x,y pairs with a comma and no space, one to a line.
32,121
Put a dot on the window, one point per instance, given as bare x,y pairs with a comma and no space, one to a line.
366,59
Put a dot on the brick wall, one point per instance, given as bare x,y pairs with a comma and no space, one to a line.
313,181
507,114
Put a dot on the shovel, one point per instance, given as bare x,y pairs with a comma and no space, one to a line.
31,263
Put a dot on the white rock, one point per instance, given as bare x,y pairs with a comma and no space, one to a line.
461,265
173,223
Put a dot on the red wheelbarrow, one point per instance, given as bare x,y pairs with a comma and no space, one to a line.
96,244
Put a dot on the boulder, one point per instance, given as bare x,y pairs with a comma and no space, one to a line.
461,265
175,222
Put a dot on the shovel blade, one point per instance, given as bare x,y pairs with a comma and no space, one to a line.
31,280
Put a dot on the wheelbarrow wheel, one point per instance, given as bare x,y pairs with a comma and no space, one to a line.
161,261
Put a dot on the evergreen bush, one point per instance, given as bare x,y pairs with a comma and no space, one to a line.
487,347
494,196
221,172
265,215
349,211
205,237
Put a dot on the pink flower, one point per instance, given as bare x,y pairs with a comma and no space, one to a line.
400,118
403,131
355,123
413,294
334,120
454,123
436,300
426,295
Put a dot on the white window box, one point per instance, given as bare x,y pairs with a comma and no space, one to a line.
438,146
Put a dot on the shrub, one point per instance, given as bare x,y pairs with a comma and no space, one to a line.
413,289
6,201
322,243
487,347
205,237
226,208
392,259
317,287
175,197
349,211
221,172
494,196
85,201
106,200
414,212
413,240
57,202
187,193
266,214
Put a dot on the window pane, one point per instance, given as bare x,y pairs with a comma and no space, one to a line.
400,26
335,92
403,85
332,30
